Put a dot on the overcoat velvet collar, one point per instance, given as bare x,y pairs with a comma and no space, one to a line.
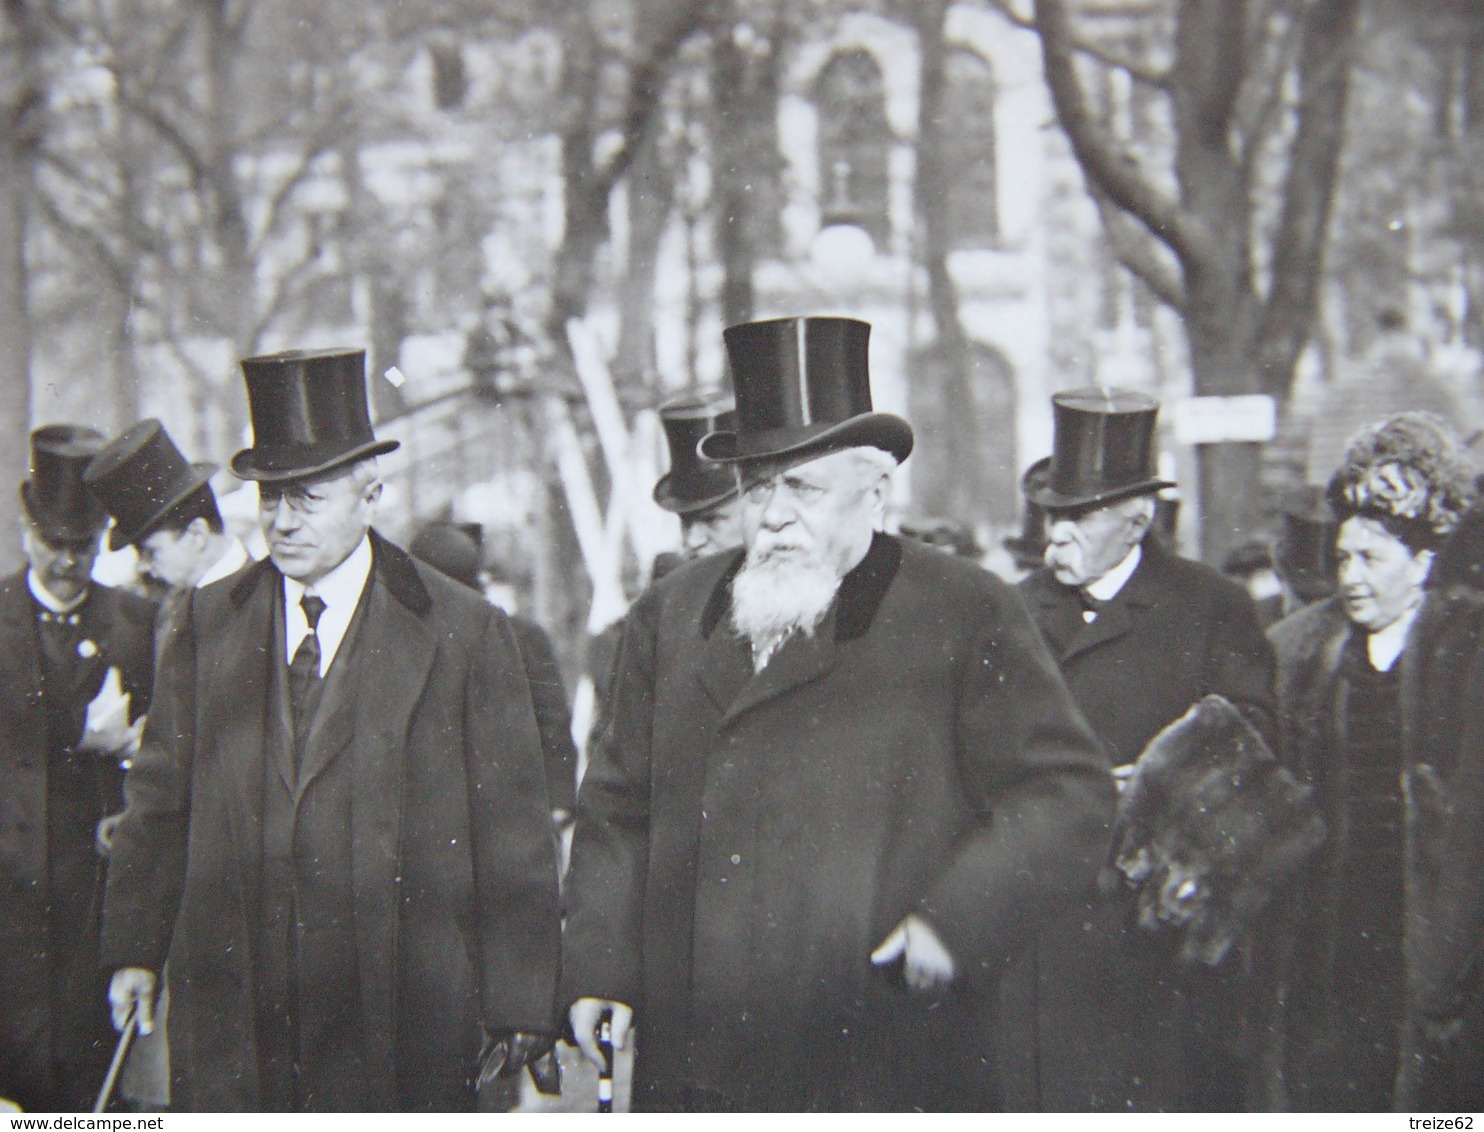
726,669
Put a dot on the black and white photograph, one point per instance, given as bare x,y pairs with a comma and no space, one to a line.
741,556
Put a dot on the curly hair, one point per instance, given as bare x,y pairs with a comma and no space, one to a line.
1408,472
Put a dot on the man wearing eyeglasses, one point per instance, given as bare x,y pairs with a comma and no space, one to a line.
75,674
337,825
840,782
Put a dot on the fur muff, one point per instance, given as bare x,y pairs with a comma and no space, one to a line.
1210,826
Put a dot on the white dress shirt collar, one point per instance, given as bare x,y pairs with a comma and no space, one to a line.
228,564
1385,645
1107,587
340,590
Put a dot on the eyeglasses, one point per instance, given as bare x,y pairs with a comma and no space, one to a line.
298,500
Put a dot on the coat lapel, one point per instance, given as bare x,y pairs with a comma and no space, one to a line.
394,655
236,668
726,659
1121,614
800,661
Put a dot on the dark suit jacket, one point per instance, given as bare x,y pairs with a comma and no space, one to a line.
1101,1017
1176,631
455,903
743,841
121,626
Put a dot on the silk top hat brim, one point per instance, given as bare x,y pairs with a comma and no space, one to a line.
140,477
665,496
275,465
309,415
803,388
886,431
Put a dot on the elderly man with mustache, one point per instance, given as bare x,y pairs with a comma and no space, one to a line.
1110,1022
840,783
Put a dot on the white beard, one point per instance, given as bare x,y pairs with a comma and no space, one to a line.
775,595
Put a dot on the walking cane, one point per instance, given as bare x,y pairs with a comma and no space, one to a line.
605,1076
120,1052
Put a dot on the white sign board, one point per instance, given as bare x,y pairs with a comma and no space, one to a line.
1217,420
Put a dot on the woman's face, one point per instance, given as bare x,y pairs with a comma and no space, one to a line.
1380,577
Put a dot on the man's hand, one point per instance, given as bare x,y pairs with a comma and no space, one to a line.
133,986
106,727
584,1016
926,964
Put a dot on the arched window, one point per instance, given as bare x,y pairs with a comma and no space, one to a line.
854,144
973,168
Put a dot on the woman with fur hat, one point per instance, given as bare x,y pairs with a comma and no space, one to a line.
1379,687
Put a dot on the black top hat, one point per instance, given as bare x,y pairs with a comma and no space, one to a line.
803,387
309,414
449,548
1304,546
140,476
1103,449
692,484
1029,547
55,496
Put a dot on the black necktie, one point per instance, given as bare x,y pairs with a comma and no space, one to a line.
304,668
1089,603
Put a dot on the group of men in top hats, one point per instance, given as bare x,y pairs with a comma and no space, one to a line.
336,821
839,841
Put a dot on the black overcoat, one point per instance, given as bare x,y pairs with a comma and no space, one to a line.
743,841
32,1019
455,904
1101,1018
1441,687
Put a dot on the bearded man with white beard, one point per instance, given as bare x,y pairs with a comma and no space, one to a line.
840,784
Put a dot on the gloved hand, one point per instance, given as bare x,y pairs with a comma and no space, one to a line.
508,1053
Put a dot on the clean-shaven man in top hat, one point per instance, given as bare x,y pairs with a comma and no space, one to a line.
337,825
701,493
76,662
163,506
840,782
1140,635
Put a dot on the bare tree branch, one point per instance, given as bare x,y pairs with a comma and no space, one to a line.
325,135
646,81
1141,253
1324,87
1140,72
1253,127
1107,166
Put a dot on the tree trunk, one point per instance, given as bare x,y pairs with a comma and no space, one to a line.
20,107
960,489
651,193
